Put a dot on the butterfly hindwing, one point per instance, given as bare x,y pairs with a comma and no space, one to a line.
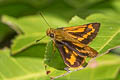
84,33
74,54
70,57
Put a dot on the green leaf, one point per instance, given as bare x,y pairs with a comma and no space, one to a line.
15,9
26,66
34,24
118,76
4,31
106,69
33,27
108,37
22,42
53,59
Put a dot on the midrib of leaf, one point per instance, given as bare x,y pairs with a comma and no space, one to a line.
26,46
27,76
109,40
14,60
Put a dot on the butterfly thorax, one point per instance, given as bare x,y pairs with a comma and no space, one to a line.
59,35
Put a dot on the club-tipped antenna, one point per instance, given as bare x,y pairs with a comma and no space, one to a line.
40,39
44,19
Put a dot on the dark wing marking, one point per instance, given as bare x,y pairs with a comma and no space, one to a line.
83,33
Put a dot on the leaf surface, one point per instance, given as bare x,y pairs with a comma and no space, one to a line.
108,37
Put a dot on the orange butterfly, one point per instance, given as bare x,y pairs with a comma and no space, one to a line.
72,43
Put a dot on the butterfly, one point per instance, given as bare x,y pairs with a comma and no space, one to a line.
72,43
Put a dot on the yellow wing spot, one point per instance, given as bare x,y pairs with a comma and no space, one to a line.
85,36
90,26
80,45
80,39
75,53
78,49
83,51
66,49
72,59
89,33
69,28
93,30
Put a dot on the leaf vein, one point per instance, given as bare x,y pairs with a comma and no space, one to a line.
109,40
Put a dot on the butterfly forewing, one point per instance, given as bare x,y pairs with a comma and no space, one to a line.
84,33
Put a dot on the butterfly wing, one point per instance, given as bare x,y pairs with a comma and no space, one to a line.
84,33
70,58
74,54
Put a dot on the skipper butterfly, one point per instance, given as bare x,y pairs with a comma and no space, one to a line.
72,43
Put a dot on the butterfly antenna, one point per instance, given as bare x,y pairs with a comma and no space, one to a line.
44,19
40,39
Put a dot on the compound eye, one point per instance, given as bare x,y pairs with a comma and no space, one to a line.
52,35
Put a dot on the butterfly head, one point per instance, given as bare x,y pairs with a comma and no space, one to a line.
50,32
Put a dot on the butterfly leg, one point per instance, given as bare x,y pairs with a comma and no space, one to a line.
54,48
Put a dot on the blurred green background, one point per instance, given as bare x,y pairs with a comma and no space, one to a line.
19,28
64,9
